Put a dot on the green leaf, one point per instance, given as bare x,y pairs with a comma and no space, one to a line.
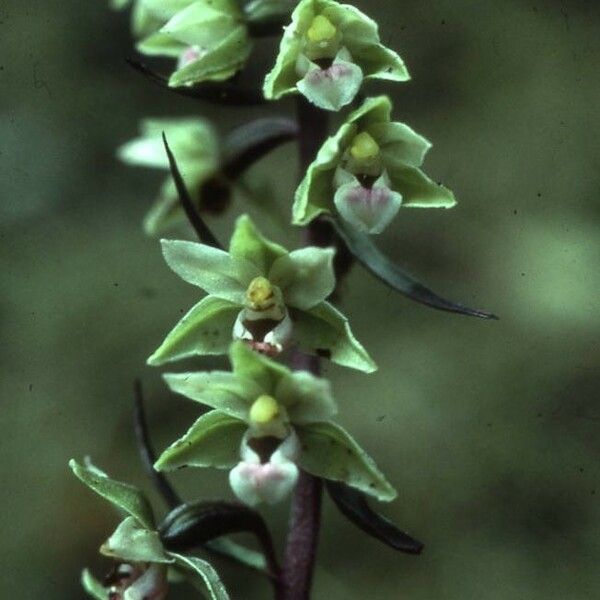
211,269
248,244
237,552
365,251
304,276
204,574
212,441
325,331
218,389
307,398
123,496
207,329
248,364
133,543
92,586
328,451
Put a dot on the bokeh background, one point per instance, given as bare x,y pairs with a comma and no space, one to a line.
490,430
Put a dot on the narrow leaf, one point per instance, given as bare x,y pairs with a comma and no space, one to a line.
203,571
365,251
204,233
221,94
121,495
192,525
250,142
353,505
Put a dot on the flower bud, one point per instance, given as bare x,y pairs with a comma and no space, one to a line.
137,582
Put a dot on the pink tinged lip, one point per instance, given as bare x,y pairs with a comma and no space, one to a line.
335,71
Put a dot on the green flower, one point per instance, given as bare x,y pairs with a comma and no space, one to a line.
276,421
368,170
194,144
263,294
141,561
148,16
209,38
327,51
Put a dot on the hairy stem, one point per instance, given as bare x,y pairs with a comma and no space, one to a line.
305,513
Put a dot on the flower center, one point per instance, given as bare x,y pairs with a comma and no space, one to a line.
260,294
321,30
364,147
264,409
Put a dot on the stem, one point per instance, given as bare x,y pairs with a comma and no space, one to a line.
305,513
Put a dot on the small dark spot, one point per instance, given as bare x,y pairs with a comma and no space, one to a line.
372,485
116,284
443,21
323,353
515,211
522,274
380,418
539,194
30,387
215,333
593,492
540,415
581,469
181,310
489,424
348,452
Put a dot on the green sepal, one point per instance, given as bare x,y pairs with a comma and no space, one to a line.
242,554
226,392
326,331
247,243
247,364
133,543
418,190
203,575
212,441
122,495
328,451
92,586
205,330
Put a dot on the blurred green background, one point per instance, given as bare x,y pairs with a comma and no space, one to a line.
490,430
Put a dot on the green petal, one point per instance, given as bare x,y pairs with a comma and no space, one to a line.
219,63
329,451
399,144
418,190
212,441
143,22
380,62
204,574
248,244
207,329
132,543
218,389
211,269
304,276
121,495
165,212
160,44
315,193
372,110
307,398
248,364
204,23
92,586
323,329
165,9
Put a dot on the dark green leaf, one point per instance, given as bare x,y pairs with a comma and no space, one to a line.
353,505
204,233
250,142
194,524
222,94
365,251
